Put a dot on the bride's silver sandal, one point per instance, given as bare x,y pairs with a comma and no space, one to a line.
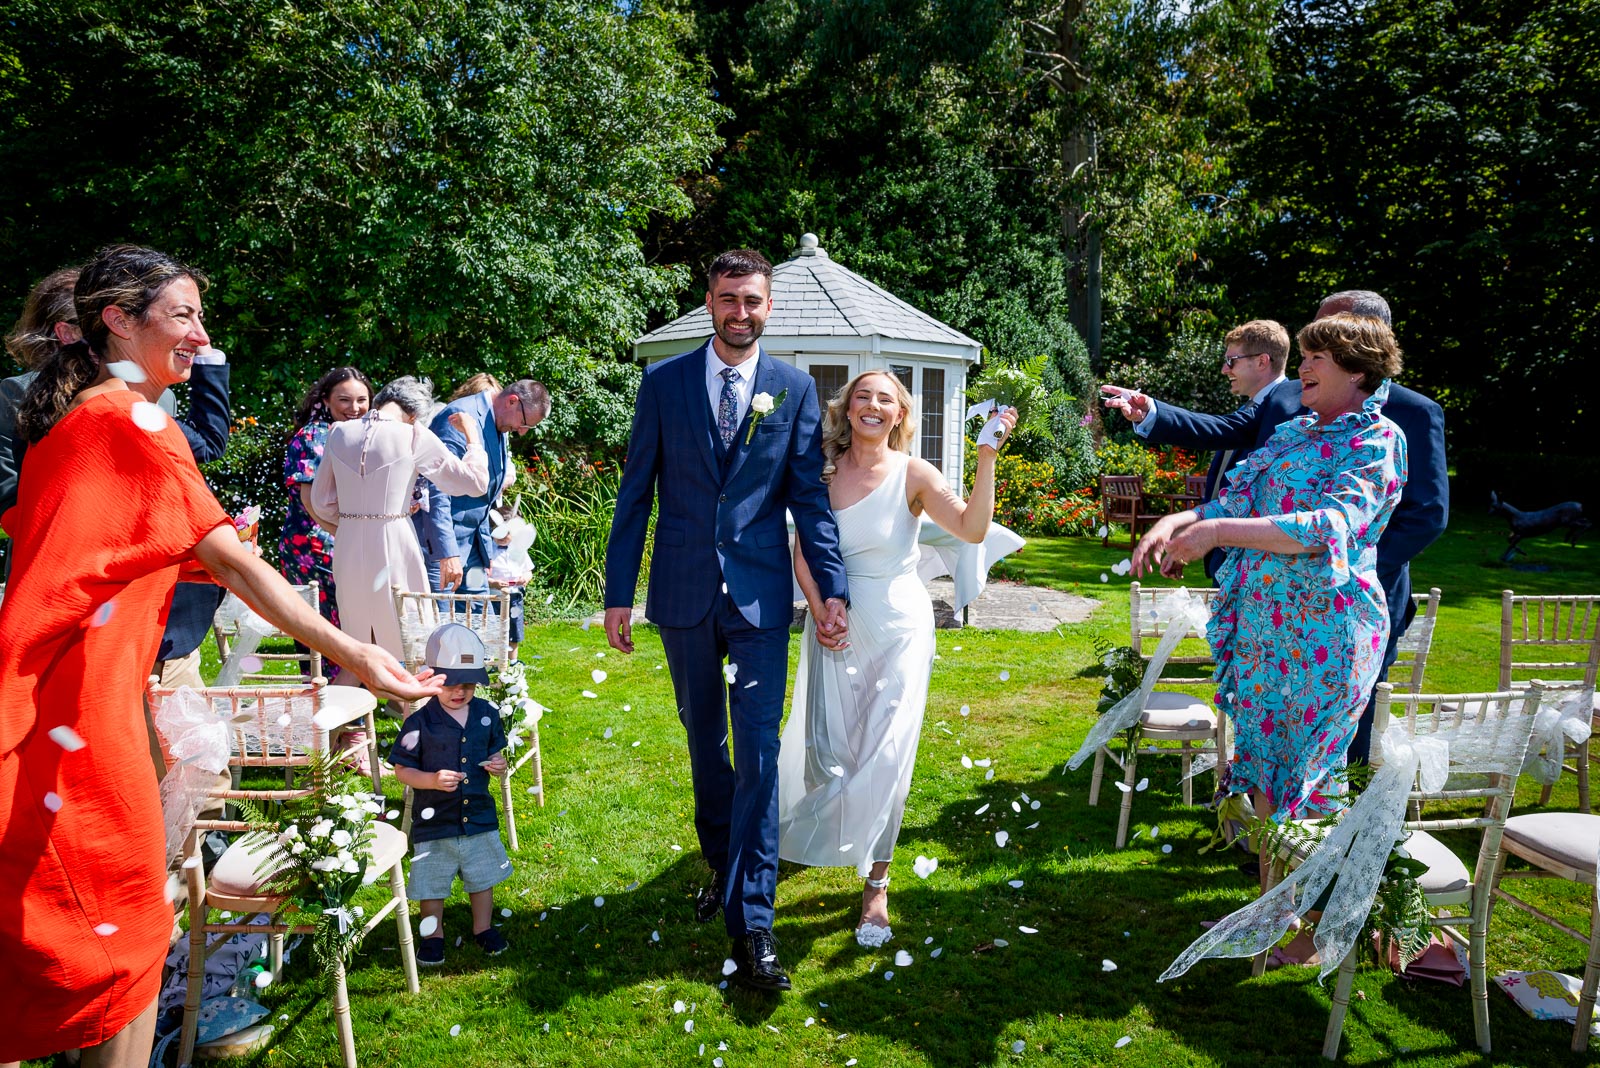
870,935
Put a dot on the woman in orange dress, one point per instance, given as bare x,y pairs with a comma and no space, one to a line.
109,507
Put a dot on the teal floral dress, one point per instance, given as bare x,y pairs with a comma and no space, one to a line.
1299,638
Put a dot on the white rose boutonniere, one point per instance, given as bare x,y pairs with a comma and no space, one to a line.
761,406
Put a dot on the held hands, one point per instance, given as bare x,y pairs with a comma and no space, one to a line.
832,624
1131,403
447,781
467,427
619,628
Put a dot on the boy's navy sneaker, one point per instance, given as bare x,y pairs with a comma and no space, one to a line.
491,942
431,952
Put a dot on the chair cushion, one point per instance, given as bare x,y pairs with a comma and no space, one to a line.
1167,710
1446,873
1569,838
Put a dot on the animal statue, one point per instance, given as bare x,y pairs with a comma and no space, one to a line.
514,565
1568,514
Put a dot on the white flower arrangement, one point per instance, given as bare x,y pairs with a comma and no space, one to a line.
519,713
323,842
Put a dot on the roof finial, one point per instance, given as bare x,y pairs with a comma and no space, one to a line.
809,247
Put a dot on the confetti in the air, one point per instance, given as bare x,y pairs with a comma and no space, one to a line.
67,738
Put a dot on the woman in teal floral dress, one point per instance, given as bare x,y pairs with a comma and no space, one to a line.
305,550
1300,624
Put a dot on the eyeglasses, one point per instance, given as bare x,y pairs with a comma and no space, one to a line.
523,410
1229,361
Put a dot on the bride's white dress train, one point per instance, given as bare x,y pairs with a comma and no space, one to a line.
844,768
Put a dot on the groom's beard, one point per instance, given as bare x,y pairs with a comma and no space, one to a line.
739,342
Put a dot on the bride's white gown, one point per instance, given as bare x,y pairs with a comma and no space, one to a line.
844,768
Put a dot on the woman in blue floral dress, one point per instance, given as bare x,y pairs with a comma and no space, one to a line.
1300,624
305,550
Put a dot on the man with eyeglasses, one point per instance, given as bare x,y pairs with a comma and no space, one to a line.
1255,357
455,530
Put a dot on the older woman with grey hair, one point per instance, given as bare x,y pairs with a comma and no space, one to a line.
364,489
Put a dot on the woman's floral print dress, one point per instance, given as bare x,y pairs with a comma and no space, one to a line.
305,551
1299,638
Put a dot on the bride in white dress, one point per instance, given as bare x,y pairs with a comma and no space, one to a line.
844,768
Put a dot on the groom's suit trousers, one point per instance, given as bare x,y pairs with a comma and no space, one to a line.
735,802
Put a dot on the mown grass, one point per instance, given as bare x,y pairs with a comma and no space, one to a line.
604,986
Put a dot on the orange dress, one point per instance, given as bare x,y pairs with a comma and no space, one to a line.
107,511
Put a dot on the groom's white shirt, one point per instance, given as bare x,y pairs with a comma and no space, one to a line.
745,388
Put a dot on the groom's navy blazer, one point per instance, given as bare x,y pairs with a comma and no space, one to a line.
721,510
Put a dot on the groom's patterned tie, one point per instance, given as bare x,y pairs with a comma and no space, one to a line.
728,406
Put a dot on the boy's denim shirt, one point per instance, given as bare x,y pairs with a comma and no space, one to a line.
441,744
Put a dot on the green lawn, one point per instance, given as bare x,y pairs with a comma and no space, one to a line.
589,984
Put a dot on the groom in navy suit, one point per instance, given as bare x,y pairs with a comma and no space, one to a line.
725,439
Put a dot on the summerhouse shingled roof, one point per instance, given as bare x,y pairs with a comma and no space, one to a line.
812,296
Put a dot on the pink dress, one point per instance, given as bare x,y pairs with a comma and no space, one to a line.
364,487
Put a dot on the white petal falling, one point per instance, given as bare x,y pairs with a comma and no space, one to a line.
1143,785
924,866
688,1027
1001,838
428,926
103,614
590,694
599,902
475,577
1015,807
1028,930
67,738
1108,965
966,710
52,801
409,741
936,952
1018,1046
1166,849
455,1030
1005,676
598,676
1104,577
981,810
1124,787
1155,832
729,966
730,672
263,980
1034,805
426,814
105,930
1123,1041
148,417
1015,884
902,959
966,761
126,370
1001,943
678,1007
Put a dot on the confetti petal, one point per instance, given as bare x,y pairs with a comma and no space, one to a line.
126,370
1155,832
1143,785
1034,805
590,694
409,741
1124,787
981,810
1001,838
966,761
263,980
598,676
102,615
428,926
67,738
1015,884
475,577
730,672
1166,849
506,913
1005,676
1123,1041
966,710
105,930
52,800
147,416
729,966
678,1006
426,813
455,1030
924,866
1001,943
688,1027
936,952
1015,807
655,936
888,974
599,902
1028,930
1104,577
902,959
1108,965
1018,1046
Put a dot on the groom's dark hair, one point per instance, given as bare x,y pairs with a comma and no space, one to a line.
736,263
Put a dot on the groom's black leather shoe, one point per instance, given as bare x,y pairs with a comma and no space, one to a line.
708,902
756,954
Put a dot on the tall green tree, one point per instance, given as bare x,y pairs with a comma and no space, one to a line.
1442,153
439,187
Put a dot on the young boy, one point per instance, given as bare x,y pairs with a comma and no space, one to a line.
447,753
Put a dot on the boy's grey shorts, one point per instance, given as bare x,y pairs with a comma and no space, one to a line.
480,860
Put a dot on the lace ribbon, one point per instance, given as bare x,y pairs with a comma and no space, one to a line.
252,629
197,740
1556,723
1352,858
1182,612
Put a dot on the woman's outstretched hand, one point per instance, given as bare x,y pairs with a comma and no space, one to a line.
1167,546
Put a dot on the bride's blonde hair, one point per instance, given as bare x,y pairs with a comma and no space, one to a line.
836,421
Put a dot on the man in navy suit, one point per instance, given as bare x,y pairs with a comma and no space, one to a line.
454,530
1424,508
1254,360
725,438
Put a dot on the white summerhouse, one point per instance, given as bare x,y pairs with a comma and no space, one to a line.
830,321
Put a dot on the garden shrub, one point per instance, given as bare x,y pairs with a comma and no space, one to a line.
1189,375
251,472
570,500
1163,468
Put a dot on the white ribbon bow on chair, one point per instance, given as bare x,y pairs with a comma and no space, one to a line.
1354,853
1569,719
1182,612
197,740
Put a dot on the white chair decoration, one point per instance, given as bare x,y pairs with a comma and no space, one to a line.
239,633
1166,716
1563,632
1434,747
266,727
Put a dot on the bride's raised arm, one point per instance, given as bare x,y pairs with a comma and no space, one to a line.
929,492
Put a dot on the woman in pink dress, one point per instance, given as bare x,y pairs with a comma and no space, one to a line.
363,490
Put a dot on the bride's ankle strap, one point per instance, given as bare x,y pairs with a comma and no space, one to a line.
878,884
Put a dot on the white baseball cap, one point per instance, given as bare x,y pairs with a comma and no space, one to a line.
457,654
